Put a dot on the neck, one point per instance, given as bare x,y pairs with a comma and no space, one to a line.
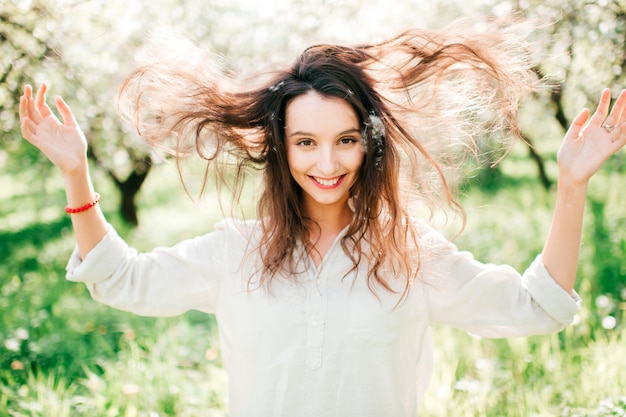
330,220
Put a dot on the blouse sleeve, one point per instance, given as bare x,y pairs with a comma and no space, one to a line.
493,300
163,282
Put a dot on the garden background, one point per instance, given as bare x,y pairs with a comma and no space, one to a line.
62,354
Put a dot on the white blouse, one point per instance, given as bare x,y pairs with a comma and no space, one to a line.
323,344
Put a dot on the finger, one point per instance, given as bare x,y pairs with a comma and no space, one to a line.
40,102
603,107
65,111
23,109
29,130
28,109
28,92
25,104
620,138
618,109
578,123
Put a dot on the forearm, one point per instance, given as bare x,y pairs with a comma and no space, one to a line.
89,226
562,247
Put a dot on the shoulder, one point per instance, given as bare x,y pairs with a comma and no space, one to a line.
243,230
436,251
229,241
427,236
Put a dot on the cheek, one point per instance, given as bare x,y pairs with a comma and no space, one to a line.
296,161
357,160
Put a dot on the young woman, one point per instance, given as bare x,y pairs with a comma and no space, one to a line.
325,301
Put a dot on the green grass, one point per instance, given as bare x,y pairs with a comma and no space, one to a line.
62,354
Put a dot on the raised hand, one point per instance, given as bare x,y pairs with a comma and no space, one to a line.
591,140
64,144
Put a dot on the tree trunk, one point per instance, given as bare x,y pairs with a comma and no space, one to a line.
543,176
129,188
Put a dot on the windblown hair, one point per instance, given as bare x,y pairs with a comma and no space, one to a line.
418,96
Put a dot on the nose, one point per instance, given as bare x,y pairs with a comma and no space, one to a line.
327,161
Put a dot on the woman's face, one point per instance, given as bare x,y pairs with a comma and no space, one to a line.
324,150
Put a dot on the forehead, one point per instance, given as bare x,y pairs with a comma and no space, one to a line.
315,113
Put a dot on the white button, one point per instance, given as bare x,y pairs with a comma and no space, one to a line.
314,323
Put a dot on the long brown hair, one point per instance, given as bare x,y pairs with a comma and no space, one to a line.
416,96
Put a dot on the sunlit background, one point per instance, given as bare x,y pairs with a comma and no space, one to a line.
61,354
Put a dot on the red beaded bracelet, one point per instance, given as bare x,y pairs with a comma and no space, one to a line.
86,207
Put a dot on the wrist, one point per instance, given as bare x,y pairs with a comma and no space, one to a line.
567,180
80,170
78,186
571,192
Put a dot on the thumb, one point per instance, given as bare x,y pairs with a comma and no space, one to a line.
578,123
29,131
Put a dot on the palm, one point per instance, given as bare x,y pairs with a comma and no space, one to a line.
587,146
64,144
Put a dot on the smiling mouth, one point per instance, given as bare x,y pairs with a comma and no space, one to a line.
328,183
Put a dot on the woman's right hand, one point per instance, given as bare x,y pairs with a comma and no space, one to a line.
64,144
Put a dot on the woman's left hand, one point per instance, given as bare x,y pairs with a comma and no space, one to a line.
592,140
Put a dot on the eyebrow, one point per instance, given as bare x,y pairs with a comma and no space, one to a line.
345,132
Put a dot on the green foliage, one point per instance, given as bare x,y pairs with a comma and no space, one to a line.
609,250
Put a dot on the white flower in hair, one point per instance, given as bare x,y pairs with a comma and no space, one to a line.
375,130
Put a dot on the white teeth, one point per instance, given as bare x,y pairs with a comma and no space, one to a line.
327,183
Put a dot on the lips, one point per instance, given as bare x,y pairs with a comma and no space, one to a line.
327,183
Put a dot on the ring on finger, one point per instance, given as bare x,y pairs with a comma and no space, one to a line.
609,128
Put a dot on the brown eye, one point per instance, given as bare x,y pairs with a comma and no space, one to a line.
347,140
